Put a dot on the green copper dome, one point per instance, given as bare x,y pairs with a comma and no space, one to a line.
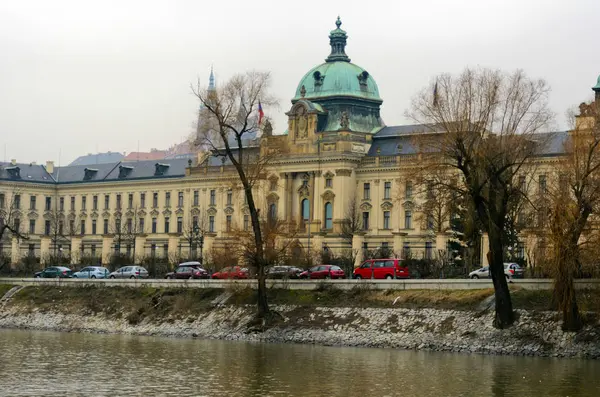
337,76
597,86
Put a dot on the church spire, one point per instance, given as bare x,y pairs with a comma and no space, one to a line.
337,40
211,80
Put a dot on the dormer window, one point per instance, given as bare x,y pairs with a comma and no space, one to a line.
318,78
14,172
362,78
89,173
124,171
161,169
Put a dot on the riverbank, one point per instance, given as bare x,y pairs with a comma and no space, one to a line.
457,321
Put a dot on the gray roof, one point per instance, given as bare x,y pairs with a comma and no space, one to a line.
134,170
552,143
399,130
98,158
392,146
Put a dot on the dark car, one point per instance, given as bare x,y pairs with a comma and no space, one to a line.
284,272
323,271
188,270
54,272
232,272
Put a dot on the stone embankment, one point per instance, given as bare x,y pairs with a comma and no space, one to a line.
223,315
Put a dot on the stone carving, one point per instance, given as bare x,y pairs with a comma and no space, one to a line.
303,191
167,212
386,205
272,198
344,121
228,210
211,211
343,172
587,110
366,207
303,91
195,212
154,213
357,147
408,204
179,211
129,213
141,213
328,174
329,147
267,128
105,214
328,195
94,215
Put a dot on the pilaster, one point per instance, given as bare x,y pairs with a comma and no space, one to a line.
44,249
15,252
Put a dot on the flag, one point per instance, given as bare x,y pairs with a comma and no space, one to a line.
261,114
435,95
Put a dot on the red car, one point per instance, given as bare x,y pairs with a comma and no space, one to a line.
323,271
234,272
381,268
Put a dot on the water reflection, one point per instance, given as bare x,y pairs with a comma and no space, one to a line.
59,364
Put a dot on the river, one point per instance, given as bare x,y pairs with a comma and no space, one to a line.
34,363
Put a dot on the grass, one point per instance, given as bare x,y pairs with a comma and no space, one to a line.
4,288
541,300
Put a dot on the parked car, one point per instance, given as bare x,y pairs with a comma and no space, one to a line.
54,272
511,270
232,272
284,272
92,272
189,270
381,269
129,272
323,271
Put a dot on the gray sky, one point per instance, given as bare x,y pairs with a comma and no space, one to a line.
80,76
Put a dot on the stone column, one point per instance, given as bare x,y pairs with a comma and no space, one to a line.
485,248
312,196
398,243
44,249
357,248
209,240
140,250
75,250
15,252
173,245
289,197
107,241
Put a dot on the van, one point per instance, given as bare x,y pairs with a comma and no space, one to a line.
381,269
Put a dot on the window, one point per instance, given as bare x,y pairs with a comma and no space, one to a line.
228,223
95,203
118,225
143,200
542,183
272,215
522,184
1,200
32,226
141,230
385,245
61,228
246,223
83,202
118,201
47,227
213,197
17,201
153,250
430,222
17,224
83,227
48,205
406,251
129,225
408,189
153,225
93,249
367,191
429,194
180,199
167,199
195,222
93,226
229,197
365,247
179,224
273,184
407,219
365,220
386,219
428,250
105,226
61,204
167,221
130,201
305,210
328,216
328,182
72,229
106,201
211,224
387,190
196,197
154,200
32,202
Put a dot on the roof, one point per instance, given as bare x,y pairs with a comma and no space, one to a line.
98,158
150,169
152,155
392,146
552,143
411,129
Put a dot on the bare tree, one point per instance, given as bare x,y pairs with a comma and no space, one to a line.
489,120
10,210
351,225
232,113
194,228
125,232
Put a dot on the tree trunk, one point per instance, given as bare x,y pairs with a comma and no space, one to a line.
564,286
504,311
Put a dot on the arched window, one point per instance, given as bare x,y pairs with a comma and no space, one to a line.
272,212
328,216
305,206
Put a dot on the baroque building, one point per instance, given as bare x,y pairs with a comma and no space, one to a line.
342,162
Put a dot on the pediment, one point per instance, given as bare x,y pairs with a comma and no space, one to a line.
408,205
195,211
328,195
106,214
328,174
83,214
33,214
212,211
167,212
272,198
118,214
94,215
303,191
387,205
129,214
228,210
179,211
141,213
366,206
154,213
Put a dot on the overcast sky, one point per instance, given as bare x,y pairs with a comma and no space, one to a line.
81,76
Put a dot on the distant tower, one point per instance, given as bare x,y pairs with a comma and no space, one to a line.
203,115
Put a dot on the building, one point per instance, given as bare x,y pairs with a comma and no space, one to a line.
98,158
342,157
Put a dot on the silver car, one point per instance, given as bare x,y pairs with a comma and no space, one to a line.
129,272
92,272
483,272
511,270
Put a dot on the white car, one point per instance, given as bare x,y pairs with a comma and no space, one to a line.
511,270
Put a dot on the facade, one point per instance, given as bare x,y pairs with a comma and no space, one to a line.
342,161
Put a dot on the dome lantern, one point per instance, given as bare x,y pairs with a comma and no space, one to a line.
337,40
